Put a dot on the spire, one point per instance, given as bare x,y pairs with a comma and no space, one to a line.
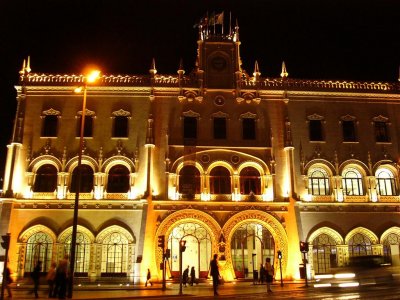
23,68
180,69
284,73
399,75
256,72
236,34
28,65
153,70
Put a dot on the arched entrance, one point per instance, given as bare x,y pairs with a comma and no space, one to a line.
199,230
251,243
198,248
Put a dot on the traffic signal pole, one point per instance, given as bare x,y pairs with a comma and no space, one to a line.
5,245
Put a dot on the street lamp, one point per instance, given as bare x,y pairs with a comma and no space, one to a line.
90,78
280,265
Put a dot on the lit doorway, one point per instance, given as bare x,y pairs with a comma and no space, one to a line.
198,249
251,244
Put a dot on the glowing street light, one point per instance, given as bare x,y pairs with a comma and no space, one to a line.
90,78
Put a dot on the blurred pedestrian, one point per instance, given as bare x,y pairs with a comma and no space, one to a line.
61,280
36,278
51,277
8,281
192,276
269,273
262,274
214,272
185,276
148,278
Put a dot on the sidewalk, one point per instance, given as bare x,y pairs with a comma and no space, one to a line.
139,291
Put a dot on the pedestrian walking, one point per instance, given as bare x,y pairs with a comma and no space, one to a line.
8,281
61,281
269,273
262,274
185,276
192,276
214,272
50,278
36,278
148,278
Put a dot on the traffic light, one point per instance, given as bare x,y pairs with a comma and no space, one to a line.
279,254
183,245
161,241
304,247
5,244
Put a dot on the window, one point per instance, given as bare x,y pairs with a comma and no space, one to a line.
249,128
324,254
219,128
189,180
352,182
318,182
82,252
360,245
220,181
250,181
315,127
118,179
88,129
38,247
189,127
114,254
86,182
120,126
45,179
381,131
50,126
386,182
349,131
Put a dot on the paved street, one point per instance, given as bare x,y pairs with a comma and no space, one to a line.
243,290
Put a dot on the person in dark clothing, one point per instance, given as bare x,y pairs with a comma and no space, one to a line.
36,278
192,276
185,276
61,281
9,280
214,272
262,274
148,278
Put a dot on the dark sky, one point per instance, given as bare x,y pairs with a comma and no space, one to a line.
331,39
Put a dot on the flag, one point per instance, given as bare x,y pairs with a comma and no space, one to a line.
219,18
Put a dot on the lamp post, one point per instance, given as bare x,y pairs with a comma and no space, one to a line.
254,271
88,79
182,248
280,265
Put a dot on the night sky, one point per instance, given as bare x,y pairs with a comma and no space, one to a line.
331,39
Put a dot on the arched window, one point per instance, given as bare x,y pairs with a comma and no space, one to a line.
318,182
220,181
86,181
118,179
82,252
386,182
250,181
189,180
352,182
38,247
114,255
360,245
45,179
391,244
324,254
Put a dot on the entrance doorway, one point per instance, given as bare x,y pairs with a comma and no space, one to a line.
198,249
251,244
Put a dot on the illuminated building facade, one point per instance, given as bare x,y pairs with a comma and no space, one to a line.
233,164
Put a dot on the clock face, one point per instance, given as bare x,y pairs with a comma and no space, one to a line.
218,63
